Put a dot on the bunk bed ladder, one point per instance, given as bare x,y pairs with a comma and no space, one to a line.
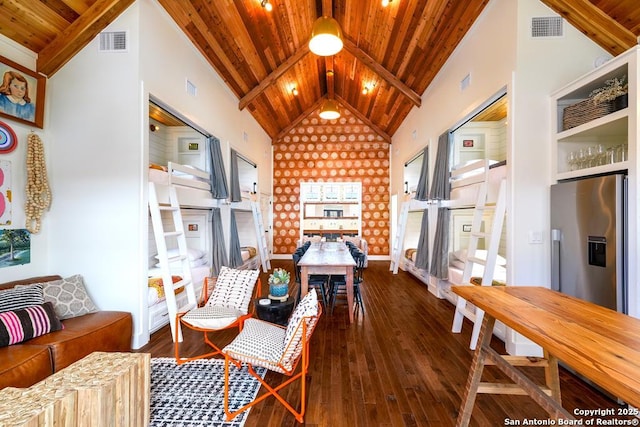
161,236
398,241
462,310
263,247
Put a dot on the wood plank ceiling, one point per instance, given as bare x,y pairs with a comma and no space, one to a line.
394,52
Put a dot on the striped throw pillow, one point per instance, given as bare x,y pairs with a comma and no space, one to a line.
21,325
21,297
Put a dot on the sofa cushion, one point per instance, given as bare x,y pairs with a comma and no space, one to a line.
23,365
21,297
69,297
24,324
82,335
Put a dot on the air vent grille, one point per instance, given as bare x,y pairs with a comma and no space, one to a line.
114,41
547,26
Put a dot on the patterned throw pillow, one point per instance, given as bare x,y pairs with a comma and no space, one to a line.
69,297
234,288
21,325
21,297
307,307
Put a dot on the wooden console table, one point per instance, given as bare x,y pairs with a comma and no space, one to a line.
598,343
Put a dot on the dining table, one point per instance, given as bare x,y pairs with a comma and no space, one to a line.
328,258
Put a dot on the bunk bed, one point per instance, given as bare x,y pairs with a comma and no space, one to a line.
465,181
192,187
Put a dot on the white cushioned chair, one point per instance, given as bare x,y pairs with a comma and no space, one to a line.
276,348
226,307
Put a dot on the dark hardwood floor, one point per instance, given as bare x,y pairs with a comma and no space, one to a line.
398,365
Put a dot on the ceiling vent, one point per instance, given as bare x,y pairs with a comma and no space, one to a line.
546,26
113,41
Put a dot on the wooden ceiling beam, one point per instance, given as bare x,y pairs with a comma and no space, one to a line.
273,76
382,72
77,35
299,119
595,24
363,118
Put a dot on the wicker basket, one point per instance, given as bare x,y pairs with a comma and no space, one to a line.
585,111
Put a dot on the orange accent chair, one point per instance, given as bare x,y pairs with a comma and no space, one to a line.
277,349
227,306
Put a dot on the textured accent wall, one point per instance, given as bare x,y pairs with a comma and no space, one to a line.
342,150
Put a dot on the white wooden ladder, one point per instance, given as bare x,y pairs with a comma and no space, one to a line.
462,308
161,236
398,241
263,247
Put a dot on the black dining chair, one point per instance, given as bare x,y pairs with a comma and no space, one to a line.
318,281
337,284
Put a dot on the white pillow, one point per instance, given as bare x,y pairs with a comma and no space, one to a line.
192,264
192,254
480,253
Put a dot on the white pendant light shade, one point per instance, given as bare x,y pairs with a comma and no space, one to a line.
326,37
329,110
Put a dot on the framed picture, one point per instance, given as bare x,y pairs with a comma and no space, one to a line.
21,93
467,143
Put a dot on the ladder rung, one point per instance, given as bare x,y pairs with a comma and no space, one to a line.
476,260
479,235
172,233
168,208
176,258
181,283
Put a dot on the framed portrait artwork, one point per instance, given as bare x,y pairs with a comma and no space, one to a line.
21,93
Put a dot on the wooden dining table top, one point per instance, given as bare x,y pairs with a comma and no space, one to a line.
327,253
601,344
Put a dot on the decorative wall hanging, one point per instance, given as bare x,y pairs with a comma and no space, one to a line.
38,191
8,139
15,247
5,192
21,93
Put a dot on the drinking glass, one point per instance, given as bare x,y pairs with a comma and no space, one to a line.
572,160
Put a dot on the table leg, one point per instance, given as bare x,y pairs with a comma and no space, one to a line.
475,374
350,292
304,281
552,379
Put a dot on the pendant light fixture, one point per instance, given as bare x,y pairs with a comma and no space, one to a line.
326,37
329,110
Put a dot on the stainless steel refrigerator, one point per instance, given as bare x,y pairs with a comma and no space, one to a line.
588,240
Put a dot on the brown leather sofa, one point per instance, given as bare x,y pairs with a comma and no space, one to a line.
24,364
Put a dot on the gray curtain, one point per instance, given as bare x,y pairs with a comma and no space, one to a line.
422,254
217,235
219,186
440,257
236,196
422,191
440,187
235,256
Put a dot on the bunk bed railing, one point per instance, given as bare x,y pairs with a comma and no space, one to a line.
188,176
470,173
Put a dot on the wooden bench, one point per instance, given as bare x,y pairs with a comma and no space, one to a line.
598,343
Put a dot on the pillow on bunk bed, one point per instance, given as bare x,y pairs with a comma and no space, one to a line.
456,263
480,253
156,288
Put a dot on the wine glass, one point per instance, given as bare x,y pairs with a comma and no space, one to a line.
572,159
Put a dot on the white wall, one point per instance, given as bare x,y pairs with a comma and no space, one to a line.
38,264
498,52
98,149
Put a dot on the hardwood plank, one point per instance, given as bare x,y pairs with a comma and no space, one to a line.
397,365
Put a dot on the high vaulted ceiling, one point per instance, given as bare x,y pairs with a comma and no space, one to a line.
394,51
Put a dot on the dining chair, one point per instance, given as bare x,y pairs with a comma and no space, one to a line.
278,349
337,284
318,281
226,307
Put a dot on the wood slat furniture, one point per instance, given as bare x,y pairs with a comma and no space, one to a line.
328,258
598,343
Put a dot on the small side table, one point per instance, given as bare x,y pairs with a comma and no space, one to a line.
276,311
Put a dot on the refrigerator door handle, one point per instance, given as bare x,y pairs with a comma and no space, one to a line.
555,259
